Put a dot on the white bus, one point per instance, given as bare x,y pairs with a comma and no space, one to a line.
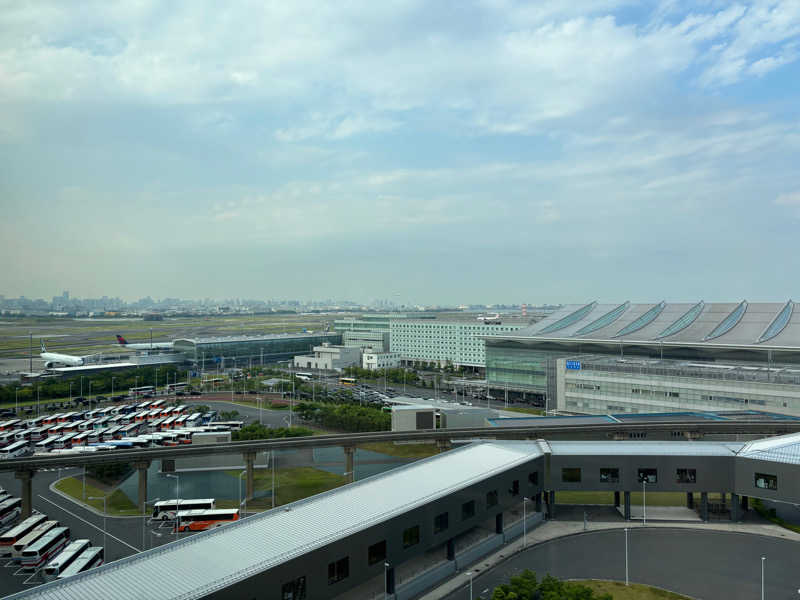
304,376
13,535
91,557
176,387
15,450
143,390
166,510
46,445
45,548
64,559
10,509
33,535
65,441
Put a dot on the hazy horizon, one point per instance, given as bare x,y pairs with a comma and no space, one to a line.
434,153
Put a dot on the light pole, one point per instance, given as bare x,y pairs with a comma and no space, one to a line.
105,538
260,411
626,556
177,502
643,479
524,523
81,386
144,518
112,387
16,399
89,395
386,566
240,493
763,560
470,584
70,392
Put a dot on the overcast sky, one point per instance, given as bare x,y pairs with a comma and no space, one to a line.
437,152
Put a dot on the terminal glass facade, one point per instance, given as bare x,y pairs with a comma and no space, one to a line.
269,348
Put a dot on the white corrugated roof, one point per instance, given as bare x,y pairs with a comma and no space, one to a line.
202,563
619,448
781,448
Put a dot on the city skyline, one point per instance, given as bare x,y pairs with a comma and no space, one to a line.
415,152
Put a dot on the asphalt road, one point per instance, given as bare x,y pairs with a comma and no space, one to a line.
702,564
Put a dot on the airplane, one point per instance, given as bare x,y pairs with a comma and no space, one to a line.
52,358
150,346
490,319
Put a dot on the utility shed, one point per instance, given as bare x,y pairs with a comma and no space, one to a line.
413,417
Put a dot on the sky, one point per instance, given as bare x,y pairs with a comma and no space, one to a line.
416,151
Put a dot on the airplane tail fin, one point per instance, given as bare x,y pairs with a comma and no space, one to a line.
121,340
42,344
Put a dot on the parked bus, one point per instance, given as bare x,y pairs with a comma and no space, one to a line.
13,535
36,422
143,390
176,387
35,533
80,439
7,438
232,425
347,380
10,509
64,559
167,423
130,430
209,417
304,376
90,558
158,403
9,425
65,441
51,419
194,419
47,444
15,450
168,509
22,435
200,520
144,405
46,547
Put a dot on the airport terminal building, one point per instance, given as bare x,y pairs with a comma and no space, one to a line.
641,358
240,350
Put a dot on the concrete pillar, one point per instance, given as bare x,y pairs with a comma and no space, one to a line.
745,504
734,508
349,462
627,496
141,467
498,522
451,549
538,500
26,493
249,460
704,506
443,445
689,500
552,504
616,499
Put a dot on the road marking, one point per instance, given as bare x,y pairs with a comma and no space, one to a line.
90,524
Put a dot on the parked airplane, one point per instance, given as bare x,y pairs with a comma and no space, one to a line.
148,346
52,359
490,319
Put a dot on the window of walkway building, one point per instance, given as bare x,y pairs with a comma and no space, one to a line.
376,552
491,499
570,475
648,475
338,570
467,510
514,491
609,475
766,482
294,590
411,536
440,522
686,476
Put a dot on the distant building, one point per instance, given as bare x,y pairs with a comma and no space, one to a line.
374,340
380,360
459,343
329,358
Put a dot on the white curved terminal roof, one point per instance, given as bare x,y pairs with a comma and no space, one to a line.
759,324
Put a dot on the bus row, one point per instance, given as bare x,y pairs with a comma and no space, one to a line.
37,434
105,414
197,514
37,540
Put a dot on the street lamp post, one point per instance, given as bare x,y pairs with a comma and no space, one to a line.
763,560
240,493
626,556
470,584
386,566
144,518
105,534
177,502
524,524
16,398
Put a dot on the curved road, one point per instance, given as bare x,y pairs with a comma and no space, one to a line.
703,564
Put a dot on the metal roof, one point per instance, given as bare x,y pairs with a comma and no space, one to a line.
639,448
782,448
196,566
756,324
257,338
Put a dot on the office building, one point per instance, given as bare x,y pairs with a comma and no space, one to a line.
328,357
380,360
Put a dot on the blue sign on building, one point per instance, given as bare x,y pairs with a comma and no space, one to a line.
575,365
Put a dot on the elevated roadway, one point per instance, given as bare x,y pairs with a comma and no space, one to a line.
25,468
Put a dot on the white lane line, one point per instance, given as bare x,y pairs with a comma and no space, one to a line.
90,524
